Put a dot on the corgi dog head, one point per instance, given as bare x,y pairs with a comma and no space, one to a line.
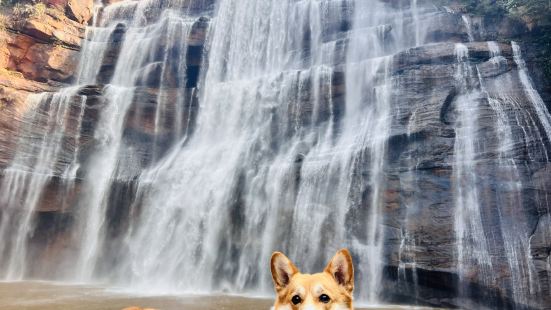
327,290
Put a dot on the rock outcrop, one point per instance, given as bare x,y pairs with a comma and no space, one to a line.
39,52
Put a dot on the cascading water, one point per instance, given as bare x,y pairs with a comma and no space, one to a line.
208,134
535,98
47,149
105,165
111,158
472,247
512,121
261,154
509,195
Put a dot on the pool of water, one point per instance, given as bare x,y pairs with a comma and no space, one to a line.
53,296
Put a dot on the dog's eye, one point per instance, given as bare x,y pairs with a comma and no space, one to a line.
324,298
296,300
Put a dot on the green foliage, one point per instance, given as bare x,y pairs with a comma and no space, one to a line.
3,25
15,3
492,8
538,11
536,14
7,72
37,9
8,3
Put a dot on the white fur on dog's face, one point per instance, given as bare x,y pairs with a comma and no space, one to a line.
329,290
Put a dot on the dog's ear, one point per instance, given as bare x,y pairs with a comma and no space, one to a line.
282,270
342,269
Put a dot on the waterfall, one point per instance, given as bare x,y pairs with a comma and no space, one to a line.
260,154
105,165
469,228
473,248
467,22
416,23
48,149
200,136
535,98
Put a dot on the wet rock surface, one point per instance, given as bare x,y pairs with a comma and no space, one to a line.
38,54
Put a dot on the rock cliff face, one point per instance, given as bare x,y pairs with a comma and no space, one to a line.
458,185
422,174
38,53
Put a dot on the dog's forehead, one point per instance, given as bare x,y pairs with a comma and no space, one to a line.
314,283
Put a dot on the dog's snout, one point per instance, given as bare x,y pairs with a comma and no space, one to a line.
309,307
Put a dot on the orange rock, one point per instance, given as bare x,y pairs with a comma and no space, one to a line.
50,28
49,62
18,45
34,51
80,10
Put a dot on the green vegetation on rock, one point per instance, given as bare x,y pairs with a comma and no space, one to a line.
537,11
29,10
9,3
536,14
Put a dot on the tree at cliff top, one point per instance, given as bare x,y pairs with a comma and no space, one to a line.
5,3
536,14
26,3
538,11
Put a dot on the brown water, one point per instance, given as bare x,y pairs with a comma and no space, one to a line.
50,296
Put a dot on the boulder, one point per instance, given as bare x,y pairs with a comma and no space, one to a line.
52,28
80,10
42,48
44,62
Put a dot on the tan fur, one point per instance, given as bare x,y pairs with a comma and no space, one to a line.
336,281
